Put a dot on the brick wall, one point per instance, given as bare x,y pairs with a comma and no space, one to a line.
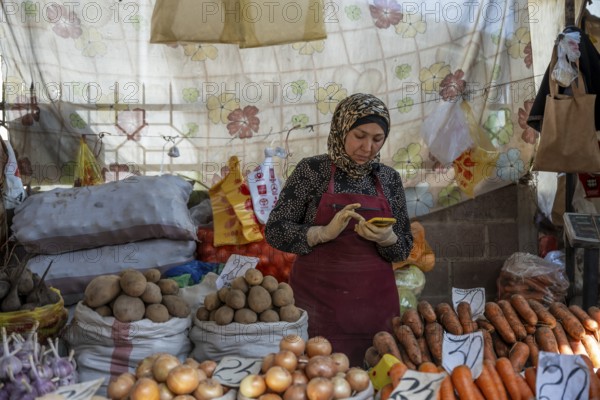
472,240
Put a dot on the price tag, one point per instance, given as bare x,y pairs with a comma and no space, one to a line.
561,376
475,297
236,265
463,349
231,370
79,391
416,385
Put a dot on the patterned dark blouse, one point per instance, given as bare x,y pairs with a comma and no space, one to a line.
296,208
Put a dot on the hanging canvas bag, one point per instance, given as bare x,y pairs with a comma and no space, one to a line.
568,141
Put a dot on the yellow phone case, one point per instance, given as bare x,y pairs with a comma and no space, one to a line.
382,221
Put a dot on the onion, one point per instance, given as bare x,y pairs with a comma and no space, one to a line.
208,366
208,389
270,396
293,343
190,361
183,379
341,388
318,346
163,365
278,379
298,376
267,363
144,368
358,379
286,359
295,392
253,386
145,389
320,366
120,387
302,361
164,392
319,388
341,361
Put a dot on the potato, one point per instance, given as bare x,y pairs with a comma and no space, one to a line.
259,299
222,293
211,301
270,283
212,315
290,313
152,275
236,299
152,294
176,305
168,286
282,297
102,290
224,315
202,314
104,311
133,283
245,316
157,313
253,277
269,316
128,308
240,284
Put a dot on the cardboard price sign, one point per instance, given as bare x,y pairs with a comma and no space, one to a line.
475,297
231,370
463,349
416,385
236,265
561,376
79,391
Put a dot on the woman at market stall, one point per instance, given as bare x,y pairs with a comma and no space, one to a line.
343,275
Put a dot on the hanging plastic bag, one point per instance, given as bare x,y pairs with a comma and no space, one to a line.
87,170
12,186
568,52
446,131
233,216
264,185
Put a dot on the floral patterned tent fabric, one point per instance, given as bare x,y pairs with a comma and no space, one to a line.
94,72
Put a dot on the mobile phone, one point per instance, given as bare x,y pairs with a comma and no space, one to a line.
382,222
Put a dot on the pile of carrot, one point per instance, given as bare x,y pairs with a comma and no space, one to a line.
514,332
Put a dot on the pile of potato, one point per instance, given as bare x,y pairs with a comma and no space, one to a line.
251,298
133,296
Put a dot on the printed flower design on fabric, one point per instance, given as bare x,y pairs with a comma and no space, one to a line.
529,134
385,13
200,52
499,127
434,75
190,129
328,97
243,122
353,12
308,48
453,86
402,71
419,200
299,87
528,55
132,123
300,120
410,25
449,196
90,43
219,107
509,166
405,105
190,95
76,121
66,23
473,166
408,160
27,109
516,44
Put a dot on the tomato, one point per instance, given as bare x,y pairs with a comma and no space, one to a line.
253,250
210,237
222,254
289,257
278,261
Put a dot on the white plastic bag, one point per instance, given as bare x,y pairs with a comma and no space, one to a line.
567,52
446,131
264,185
13,191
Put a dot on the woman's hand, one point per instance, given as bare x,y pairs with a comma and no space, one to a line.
383,236
326,233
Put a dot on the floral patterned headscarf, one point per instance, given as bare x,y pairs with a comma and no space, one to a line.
345,115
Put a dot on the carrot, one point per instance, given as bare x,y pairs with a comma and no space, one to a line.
494,314
434,334
405,358
594,313
462,379
385,343
544,316
486,385
594,380
530,329
518,356
407,339
386,391
534,351
524,310
545,339
412,318
524,389
488,346
562,340
448,318
509,377
396,372
485,324
491,367
513,319
463,310
500,347
396,321
428,366
592,349
588,322
569,321
447,388
425,354
577,347
372,356
426,311
530,377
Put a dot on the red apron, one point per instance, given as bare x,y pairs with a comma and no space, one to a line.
348,290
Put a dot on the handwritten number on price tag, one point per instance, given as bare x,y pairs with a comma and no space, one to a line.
418,386
562,376
475,297
231,370
463,349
